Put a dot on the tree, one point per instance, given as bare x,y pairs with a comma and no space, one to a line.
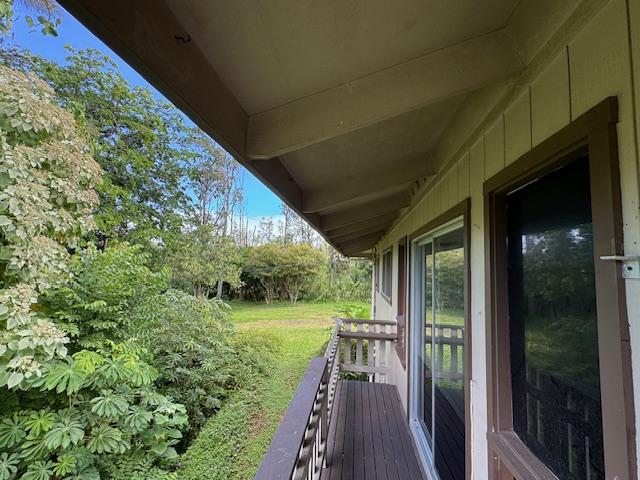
301,264
264,263
90,402
265,232
46,198
47,18
200,260
287,230
283,268
141,143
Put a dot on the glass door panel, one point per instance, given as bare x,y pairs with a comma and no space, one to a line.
448,348
439,389
427,389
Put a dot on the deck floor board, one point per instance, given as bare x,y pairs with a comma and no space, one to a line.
375,444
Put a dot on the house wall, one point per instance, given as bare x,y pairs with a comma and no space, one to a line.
594,55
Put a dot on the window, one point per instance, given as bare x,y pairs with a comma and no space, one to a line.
376,271
553,330
387,271
559,359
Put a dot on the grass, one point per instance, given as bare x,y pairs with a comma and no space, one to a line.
245,312
233,442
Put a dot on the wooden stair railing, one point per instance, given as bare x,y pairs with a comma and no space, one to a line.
298,449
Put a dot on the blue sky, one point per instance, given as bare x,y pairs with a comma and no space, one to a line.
260,201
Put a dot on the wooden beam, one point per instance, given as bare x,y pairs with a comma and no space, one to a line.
373,184
377,208
275,175
422,81
362,242
358,250
357,235
367,226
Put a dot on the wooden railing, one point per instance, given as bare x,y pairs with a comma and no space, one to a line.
367,346
298,448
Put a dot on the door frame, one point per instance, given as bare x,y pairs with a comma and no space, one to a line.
593,134
461,211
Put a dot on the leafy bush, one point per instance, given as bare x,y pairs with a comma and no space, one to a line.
349,310
106,286
195,351
64,409
281,269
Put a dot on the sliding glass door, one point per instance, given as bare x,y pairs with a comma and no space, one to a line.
438,413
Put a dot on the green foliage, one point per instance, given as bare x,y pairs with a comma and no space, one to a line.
141,143
62,413
234,441
350,310
342,280
96,304
194,350
46,19
200,259
46,198
283,269
8,466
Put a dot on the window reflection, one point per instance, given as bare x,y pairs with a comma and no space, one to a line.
443,394
553,328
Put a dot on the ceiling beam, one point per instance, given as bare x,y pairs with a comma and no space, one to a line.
383,206
360,233
422,81
368,239
361,246
372,184
151,39
339,234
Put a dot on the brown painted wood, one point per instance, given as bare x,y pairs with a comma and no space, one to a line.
367,434
280,460
377,441
407,444
387,443
349,435
335,449
358,426
379,459
369,322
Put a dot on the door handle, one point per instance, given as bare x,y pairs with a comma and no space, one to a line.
630,264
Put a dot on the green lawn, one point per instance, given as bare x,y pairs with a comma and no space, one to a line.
244,312
232,444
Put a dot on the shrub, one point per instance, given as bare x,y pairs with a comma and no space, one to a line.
194,349
65,410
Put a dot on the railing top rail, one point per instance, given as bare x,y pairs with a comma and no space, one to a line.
369,335
281,458
365,321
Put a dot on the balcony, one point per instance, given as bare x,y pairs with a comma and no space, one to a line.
343,422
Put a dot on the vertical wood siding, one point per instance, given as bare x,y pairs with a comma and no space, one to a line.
602,59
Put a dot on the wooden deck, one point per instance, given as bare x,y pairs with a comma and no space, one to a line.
369,436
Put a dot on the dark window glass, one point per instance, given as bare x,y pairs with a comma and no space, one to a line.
553,330
387,268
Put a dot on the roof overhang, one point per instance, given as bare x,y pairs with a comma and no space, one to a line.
335,106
